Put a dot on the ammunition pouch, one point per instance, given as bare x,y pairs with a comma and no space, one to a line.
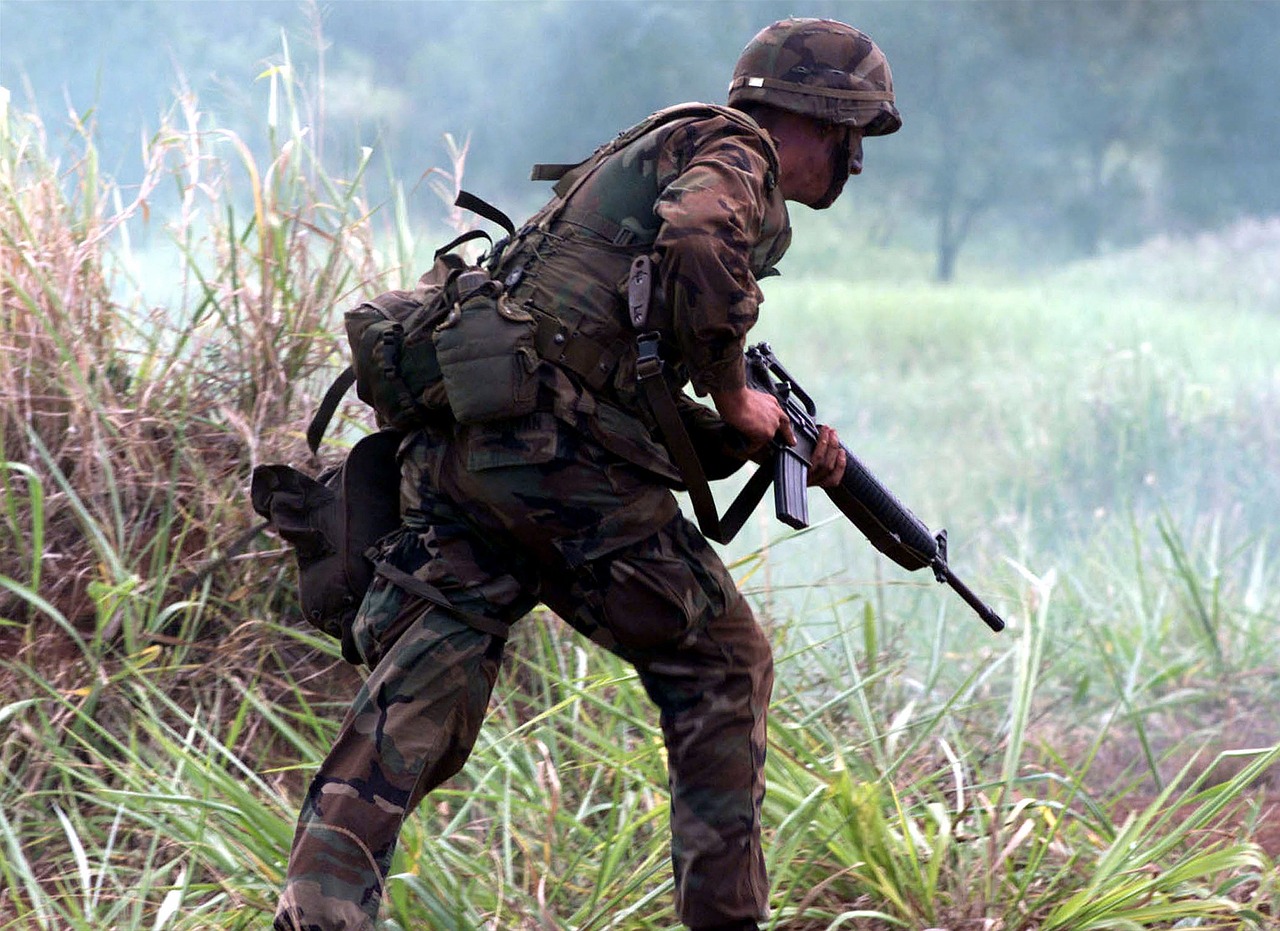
393,357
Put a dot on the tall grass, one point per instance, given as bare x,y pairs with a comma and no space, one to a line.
1108,762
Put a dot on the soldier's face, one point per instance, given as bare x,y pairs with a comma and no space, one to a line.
845,159
832,154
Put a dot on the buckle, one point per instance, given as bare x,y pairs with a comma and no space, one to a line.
648,360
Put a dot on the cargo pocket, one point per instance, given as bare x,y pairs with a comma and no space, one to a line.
659,591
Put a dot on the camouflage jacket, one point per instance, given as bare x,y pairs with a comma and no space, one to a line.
699,193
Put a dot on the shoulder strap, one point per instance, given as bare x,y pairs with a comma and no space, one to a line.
553,171
328,405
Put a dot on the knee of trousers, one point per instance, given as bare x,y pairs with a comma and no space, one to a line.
747,645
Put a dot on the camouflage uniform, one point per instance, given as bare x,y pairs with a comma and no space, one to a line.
572,506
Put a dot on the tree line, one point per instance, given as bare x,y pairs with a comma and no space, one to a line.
1073,128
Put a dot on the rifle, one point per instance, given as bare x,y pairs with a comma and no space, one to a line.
882,518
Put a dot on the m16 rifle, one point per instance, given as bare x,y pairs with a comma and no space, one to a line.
883,519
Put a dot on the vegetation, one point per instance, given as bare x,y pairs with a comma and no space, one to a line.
1058,129
1108,762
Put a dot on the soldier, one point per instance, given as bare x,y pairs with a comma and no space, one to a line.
572,506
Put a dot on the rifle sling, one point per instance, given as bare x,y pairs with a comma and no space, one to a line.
658,393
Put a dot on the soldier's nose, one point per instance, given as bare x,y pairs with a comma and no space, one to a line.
855,153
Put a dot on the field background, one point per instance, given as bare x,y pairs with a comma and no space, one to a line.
1099,436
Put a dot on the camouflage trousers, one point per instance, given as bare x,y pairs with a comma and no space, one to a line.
500,518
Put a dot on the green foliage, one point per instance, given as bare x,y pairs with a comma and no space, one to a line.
1105,763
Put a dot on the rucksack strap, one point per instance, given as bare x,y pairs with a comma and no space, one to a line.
411,583
328,405
481,207
459,240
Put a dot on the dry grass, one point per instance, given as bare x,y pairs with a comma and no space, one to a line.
131,430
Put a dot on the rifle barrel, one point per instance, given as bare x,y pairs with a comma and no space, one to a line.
989,617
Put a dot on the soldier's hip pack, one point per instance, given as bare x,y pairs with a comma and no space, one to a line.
330,521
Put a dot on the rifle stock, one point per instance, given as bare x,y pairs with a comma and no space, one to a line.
884,520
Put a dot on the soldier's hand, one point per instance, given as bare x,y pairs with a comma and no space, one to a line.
828,462
756,415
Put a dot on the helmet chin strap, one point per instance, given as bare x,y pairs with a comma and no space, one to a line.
839,174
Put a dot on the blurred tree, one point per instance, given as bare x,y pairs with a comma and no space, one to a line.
1062,127
953,85
1092,77
1220,137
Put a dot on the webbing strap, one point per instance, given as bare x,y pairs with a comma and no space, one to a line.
328,405
549,171
411,583
587,358
477,205
658,393
601,225
459,240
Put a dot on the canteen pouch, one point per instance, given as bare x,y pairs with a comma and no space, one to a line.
486,352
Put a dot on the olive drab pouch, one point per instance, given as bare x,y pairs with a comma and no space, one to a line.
408,376
331,521
392,354
486,353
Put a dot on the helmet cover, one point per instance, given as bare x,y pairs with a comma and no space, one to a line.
819,68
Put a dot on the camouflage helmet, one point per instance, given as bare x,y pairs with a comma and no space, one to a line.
819,68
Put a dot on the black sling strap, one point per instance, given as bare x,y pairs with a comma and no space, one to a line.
481,207
657,392
328,406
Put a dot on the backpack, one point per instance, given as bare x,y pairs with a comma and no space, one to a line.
453,348
416,356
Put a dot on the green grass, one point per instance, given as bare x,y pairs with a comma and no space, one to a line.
1099,453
